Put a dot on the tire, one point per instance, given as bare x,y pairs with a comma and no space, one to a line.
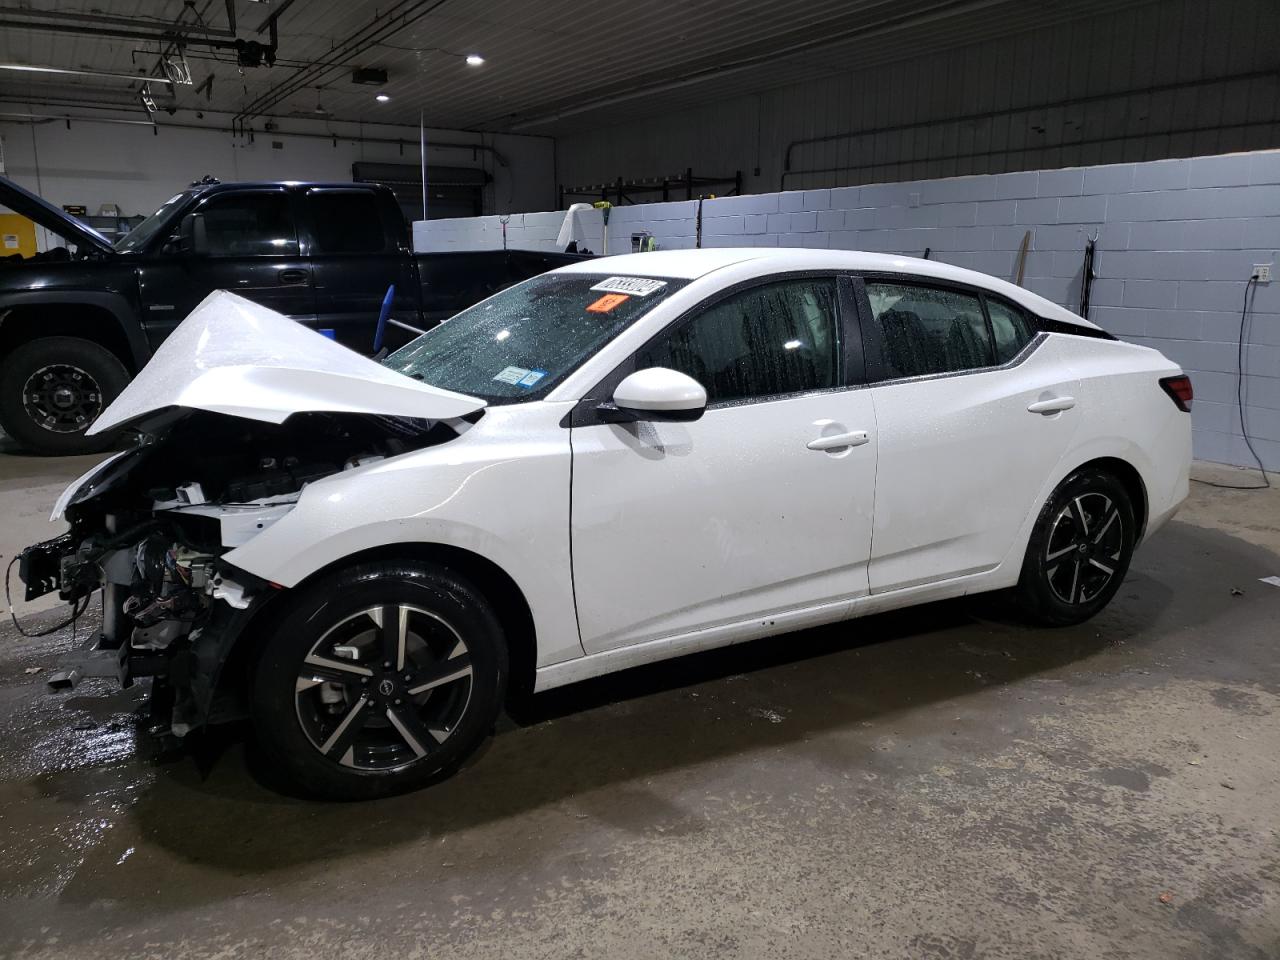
338,724
53,388
1067,578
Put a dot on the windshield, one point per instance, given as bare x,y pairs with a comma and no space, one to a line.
139,236
521,342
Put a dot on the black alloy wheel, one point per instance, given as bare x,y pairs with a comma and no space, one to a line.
376,679
1079,550
384,687
1083,549
62,398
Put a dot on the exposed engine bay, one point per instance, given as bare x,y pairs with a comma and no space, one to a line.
150,526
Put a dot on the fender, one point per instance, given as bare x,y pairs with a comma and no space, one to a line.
123,313
494,492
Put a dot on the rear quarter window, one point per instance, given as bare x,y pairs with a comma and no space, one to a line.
1011,328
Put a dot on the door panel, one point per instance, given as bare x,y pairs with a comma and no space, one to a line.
681,526
355,258
253,251
761,506
962,459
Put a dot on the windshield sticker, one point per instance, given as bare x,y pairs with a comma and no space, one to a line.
513,375
531,378
607,303
632,286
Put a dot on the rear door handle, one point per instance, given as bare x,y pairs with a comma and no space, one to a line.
1052,405
855,438
292,276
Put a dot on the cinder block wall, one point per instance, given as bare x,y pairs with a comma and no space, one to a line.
1177,240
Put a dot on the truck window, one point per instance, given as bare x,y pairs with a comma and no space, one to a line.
250,225
345,221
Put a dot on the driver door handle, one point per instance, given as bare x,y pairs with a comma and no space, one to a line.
855,438
1052,405
293,275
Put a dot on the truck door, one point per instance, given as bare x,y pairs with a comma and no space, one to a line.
359,247
251,248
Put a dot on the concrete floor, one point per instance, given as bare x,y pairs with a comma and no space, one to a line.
936,783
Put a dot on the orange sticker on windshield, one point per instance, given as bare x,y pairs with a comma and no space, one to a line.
608,302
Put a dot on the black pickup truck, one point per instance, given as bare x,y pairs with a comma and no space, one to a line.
77,322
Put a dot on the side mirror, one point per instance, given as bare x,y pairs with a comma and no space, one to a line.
192,237
657,393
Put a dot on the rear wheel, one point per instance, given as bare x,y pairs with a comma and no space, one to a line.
53,388
1079,550
382,678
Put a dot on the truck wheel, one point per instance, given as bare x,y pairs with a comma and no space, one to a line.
53,388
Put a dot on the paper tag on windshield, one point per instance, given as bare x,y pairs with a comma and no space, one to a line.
632,286
512,375
607,302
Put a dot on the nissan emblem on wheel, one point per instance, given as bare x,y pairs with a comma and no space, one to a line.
612,463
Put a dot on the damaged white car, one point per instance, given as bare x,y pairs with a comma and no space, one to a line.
612,463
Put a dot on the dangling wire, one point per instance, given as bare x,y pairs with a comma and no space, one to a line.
77,609
1244,430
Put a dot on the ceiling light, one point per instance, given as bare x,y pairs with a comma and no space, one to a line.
474,59
382,98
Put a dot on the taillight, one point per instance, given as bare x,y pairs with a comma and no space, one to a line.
1179,391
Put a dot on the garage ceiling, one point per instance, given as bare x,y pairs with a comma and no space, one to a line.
551,66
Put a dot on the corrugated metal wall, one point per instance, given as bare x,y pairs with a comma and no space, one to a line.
1172,79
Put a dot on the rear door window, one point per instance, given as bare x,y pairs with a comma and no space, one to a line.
928,330
345,221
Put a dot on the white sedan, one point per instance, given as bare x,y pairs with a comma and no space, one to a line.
613,463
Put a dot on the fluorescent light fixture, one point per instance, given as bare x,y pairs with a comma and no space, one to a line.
59,71
382,98
474,59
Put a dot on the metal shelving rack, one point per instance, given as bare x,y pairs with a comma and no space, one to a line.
621,191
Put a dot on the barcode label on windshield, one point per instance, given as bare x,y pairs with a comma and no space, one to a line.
632,286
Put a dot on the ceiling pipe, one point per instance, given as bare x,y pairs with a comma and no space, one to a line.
1005,112
889,24
43,118
275,15
402,15
103,19
168,35
40,119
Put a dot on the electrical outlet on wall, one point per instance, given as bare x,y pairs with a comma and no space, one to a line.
1262,272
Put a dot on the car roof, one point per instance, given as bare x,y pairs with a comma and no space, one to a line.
695,264
219,186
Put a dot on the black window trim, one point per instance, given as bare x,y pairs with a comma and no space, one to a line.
848,325
283,191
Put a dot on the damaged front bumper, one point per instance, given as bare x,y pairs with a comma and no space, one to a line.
183,652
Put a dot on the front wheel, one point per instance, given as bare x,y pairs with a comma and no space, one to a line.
381,678
53,388
1079,550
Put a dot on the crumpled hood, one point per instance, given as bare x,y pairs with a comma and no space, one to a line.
236,357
